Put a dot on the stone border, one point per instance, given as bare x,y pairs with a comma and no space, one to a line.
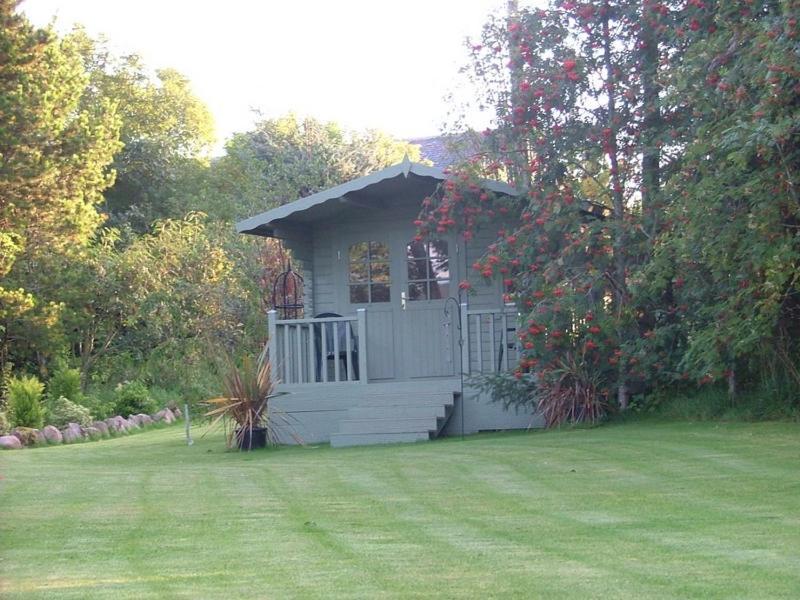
21,437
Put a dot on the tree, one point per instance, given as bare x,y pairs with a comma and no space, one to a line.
729,255
283,159
166,133
578,120
655,144
55,162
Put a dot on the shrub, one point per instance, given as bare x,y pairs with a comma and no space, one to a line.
101,404
25,401
63,410
66,383
27,435
5,426
132,397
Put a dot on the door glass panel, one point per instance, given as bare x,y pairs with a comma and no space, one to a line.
379,272
428,270
417,269
378,251
359,272
359,294
440,268
438,249
416,250
359,252
440,289
369,272
418,290
380,292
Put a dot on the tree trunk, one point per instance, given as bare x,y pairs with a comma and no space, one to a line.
620,293
732,385
651,125
519,176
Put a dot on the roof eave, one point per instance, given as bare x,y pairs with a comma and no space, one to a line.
258,224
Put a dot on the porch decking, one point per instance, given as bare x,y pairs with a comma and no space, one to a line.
323,365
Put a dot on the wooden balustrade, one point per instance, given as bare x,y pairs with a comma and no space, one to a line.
300,349
491,343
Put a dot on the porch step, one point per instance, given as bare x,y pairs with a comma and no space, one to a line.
393,417
409,399
419,411
341,440
388,425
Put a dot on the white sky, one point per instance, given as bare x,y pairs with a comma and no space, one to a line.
362,63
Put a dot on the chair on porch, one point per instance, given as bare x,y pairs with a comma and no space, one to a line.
509,345
343,329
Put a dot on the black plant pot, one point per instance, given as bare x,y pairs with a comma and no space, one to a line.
250,439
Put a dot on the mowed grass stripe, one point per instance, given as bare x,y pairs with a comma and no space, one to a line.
640,510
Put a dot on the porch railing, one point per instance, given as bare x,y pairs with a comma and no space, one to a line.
490,339
300,349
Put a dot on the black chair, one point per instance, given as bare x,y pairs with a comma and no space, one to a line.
511,344
343,329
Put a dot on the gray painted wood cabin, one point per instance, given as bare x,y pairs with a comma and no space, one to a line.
390,367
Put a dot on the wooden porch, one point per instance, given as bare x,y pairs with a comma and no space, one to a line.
324,363
320,351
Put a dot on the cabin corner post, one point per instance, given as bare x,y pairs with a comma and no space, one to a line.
464,339
362,344
272,342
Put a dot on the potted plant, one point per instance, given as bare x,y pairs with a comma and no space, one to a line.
244,408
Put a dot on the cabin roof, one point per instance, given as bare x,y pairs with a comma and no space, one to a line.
368,190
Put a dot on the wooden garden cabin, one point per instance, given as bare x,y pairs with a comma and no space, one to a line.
390,367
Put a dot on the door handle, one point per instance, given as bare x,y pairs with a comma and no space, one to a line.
403,300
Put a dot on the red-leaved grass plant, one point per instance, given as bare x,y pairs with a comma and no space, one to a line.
245,407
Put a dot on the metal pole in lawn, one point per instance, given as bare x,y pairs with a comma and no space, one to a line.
457,302
189,440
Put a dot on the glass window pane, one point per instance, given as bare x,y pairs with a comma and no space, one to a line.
369,272
418,291
438,249
358,272
359,294
379,272
416,250
440,289
440,268
358,252
378,251
380,292
417,269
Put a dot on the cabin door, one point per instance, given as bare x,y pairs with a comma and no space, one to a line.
404,285
426,277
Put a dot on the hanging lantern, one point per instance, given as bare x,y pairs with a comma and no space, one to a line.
287,293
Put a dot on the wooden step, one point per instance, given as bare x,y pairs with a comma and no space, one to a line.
411,399
341,440
420,411
388,425
394,414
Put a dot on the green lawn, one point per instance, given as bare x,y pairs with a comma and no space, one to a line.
634,510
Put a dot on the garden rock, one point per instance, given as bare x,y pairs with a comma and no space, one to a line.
40,439
164,415
177,412
93,433
132,424
117,424
10,442
72,433
143,419
102,426
52,435
26,435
